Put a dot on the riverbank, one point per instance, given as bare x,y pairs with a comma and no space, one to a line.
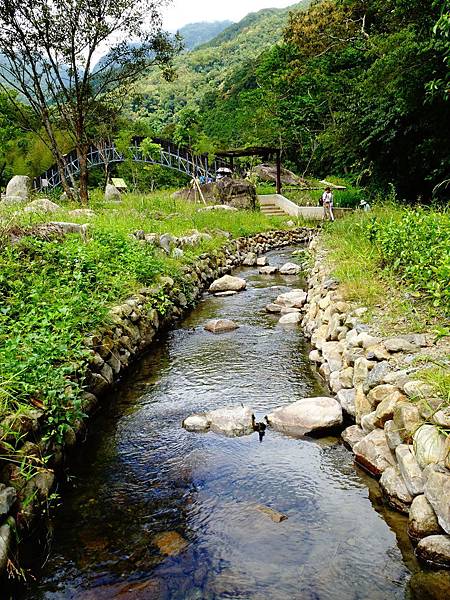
64,346
152,509
390,374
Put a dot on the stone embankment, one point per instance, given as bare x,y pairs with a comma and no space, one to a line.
399,422
132,327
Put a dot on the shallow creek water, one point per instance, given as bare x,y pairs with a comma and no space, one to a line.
140,474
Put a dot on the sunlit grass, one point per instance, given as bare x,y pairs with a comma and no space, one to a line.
365,280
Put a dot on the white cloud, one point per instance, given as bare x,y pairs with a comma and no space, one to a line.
182,12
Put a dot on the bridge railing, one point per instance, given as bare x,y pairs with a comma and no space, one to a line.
170,156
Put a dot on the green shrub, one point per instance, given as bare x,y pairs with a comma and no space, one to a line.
416,244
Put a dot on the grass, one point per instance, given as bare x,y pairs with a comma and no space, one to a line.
54,293
370,281
439,378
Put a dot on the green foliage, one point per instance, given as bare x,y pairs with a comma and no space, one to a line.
375,255
416,244
52,294
350,88
441,31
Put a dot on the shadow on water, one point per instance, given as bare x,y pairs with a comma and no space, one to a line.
152,511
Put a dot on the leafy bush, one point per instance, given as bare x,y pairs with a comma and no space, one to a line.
51,295
416,244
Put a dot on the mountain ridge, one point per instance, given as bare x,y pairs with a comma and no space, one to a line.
201,32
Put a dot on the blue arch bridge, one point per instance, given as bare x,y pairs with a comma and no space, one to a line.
170,156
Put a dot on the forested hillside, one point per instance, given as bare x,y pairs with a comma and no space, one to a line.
207,70
346,87
351,88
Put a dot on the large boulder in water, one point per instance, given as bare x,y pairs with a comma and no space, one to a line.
220,325
306,415
228,283
231,421
294,299
18,189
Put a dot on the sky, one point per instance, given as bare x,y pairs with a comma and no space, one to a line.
182,12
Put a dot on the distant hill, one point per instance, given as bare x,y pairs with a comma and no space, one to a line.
196,34
207,68
255,19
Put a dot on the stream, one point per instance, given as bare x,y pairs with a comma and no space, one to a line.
140,475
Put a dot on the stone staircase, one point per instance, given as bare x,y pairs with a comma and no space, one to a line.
272,210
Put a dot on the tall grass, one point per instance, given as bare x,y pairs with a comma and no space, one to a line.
368,252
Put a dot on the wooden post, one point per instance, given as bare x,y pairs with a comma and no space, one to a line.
197,185
278,172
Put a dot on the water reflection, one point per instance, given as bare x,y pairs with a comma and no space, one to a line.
157,512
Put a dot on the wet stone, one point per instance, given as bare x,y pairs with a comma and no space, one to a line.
395,490
276,516
290,319
227,283
273,308
290,269
196,423
435,549
410,470
422,519
227,293
220,325
269,270
373,452
352,435
306,415
170,543
437,492
229,421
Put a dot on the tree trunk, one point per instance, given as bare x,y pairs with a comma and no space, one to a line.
83,186
106,174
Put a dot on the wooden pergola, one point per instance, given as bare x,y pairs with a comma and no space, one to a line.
264,152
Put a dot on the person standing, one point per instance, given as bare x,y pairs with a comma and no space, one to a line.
327,202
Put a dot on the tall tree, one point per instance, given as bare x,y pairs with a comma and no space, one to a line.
52,50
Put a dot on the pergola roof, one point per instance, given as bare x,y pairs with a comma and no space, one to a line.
251,151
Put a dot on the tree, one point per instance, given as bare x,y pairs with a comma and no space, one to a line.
51,50
9,133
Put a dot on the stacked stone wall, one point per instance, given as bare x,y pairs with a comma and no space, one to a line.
399,422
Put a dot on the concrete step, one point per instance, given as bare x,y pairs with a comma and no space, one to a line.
269,210
268,207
